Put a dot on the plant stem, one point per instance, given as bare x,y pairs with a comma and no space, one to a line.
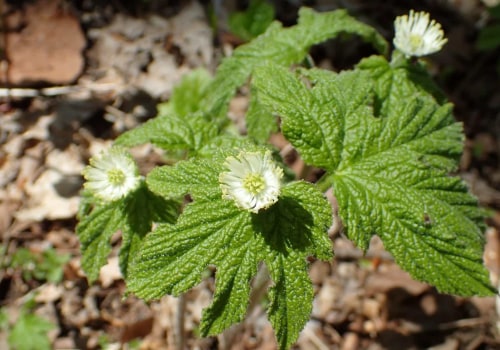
179,323
324,183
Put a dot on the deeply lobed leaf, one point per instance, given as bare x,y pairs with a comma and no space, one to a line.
388,147
215,232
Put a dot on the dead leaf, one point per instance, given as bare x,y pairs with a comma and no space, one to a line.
110,272
44,43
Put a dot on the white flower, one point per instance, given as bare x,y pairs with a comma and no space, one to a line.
253,180
417,35
111,175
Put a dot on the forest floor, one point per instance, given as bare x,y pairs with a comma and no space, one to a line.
80,73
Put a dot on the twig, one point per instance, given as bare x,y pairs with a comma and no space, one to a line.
54,90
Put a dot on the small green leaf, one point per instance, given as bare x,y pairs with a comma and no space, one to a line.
399,82
50,265
253,22
30,333
186,95
94,231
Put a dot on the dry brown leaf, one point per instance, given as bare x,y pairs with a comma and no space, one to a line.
44,43
110,272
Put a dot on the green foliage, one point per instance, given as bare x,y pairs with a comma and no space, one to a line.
382,133
213,231
489,36
186,96
134,216
253,22
4,319
283,46
172,133
29,332
179,125
260,120
43,266
390,170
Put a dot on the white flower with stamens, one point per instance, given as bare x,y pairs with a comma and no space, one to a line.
418,35
253,180
111,175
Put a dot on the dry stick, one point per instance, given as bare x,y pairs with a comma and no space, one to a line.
4,63
55,90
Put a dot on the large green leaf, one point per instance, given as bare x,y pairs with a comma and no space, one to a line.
388,147
214,232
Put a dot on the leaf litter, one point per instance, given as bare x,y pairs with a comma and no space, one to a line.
363,301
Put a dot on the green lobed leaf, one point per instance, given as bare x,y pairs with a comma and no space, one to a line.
284,46
294,229
171,132
388,148
174,256
314,119
214,232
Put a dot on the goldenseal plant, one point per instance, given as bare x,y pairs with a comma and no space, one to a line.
226,204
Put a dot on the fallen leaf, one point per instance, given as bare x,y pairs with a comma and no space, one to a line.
44,43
